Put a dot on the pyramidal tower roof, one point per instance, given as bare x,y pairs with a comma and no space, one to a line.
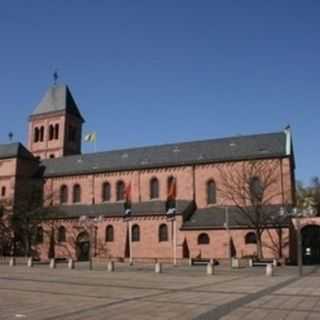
58,98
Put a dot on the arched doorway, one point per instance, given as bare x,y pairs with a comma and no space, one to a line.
311,244
83,246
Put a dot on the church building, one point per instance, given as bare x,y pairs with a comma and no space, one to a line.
208,199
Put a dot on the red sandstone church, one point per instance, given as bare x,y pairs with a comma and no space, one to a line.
167,202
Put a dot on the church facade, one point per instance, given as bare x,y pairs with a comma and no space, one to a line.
167,202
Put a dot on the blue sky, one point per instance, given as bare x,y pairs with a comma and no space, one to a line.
152,72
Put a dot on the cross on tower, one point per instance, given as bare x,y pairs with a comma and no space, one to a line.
55,77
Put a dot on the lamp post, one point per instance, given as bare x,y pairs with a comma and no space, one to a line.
91,224
226,225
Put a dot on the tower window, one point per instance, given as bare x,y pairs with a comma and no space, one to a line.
41,138
51,132
36,134
56,131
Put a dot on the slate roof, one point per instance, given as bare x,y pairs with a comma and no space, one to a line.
147,208
14,150
215,218
58,98
217,150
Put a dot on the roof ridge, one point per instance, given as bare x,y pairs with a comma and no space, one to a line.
169,145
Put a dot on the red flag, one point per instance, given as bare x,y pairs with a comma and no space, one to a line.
172,190
128,192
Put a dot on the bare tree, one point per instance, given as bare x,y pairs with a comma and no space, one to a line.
5,228
28,214
253,188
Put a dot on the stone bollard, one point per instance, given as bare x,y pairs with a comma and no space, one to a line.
235,263
52,264
12,262
190,262
158,267
30,262
70,264
250,263
110,266
269,270
210,268
275,262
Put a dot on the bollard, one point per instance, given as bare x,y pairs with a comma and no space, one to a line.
190,262
52,264
30,262
130,262
269,270
275,262
12,262
110,266
158,267
250,263
210,268
235,263
70,264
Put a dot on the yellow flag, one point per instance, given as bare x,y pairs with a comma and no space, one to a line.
90,137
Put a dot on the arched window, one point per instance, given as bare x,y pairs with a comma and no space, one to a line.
256,190
106,191
62,234
120,190
36,135
64,194
56,131
135,236
163,233
51,132
109,233
76,198
154,188
39,235
41,133
211,192
203,238
3,191
251,238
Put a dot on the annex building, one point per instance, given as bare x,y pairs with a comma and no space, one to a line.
201,199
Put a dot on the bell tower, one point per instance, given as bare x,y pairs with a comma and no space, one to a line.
55,126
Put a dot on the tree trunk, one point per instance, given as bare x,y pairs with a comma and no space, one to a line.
259,246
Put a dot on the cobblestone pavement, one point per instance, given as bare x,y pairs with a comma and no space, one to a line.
136,292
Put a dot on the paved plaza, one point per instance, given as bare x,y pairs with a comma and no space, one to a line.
136,292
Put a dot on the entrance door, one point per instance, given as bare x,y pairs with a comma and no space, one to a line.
83,247
311,244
